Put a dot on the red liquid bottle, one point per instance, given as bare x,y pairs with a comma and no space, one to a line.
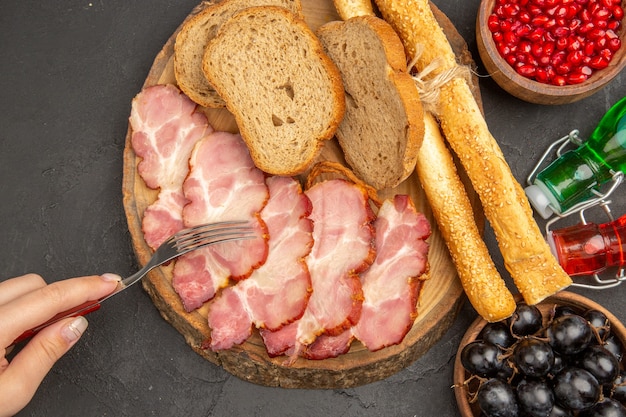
587,249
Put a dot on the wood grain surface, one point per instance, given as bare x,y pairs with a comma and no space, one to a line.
441,297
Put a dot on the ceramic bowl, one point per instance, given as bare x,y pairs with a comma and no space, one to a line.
564,298
533,91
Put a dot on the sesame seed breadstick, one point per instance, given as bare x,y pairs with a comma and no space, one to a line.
485,289
527,257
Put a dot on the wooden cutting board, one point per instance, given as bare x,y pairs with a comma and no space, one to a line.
439,302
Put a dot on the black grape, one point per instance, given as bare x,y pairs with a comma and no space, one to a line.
569,334
497,399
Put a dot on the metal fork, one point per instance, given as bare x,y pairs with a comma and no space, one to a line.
180,243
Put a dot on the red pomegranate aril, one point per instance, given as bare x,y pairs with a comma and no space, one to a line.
606,53
598,63
493,23
614,44
526,70
561,44
541,75
539,20
561,32
618,12
523,30
586,27
596,33
606,3
559,80
576,78
600,44
536,35
573,44
525,47
510,10
613,25
586,70
524,16
536,49
589,49
575,58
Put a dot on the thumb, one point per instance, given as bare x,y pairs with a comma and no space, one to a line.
30,366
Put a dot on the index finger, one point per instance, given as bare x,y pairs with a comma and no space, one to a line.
38,306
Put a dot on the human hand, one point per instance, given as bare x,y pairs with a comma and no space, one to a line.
26,302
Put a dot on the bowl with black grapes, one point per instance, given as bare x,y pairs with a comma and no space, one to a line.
563,357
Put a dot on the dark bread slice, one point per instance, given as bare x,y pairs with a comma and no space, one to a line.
284,91
383,127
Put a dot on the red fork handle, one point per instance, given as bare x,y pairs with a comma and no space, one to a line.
79,310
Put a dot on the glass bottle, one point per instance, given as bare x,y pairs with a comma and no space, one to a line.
577,174
587,249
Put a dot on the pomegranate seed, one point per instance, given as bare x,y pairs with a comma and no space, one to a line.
527,71
598,63
559,80
539,20
541,75
586,70
614,44
524,16
493,23
618,12
561,32
614,25
596,33
576,78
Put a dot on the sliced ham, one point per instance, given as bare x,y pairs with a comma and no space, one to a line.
277,292
342,248
165,127
223,184
392,284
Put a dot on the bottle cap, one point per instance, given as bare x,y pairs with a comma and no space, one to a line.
539,201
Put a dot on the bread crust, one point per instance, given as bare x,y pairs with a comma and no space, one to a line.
364,136
527,257
275,151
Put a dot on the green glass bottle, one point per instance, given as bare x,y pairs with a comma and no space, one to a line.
575,175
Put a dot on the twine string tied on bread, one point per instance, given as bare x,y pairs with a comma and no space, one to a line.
429,87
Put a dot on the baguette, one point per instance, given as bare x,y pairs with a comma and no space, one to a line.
383,126
527,257
193,37
285,93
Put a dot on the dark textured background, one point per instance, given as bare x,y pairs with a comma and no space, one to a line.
68,72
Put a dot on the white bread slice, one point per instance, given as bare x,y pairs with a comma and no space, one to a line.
196,33
383,127
284,91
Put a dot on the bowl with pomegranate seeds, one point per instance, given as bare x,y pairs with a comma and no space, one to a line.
561,357
551,51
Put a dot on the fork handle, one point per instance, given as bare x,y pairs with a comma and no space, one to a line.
79,310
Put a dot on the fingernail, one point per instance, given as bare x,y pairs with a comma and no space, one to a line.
75,329
111,277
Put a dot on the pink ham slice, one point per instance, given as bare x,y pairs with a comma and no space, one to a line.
391,285
342,248
277,292
223,184
165,128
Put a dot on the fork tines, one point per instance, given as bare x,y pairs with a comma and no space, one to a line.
208,234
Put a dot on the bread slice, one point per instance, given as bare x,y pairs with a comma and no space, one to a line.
284,91
196,32
383,127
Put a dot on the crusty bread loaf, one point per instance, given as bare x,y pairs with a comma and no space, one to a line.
193,38
535,271
284,91
383,127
